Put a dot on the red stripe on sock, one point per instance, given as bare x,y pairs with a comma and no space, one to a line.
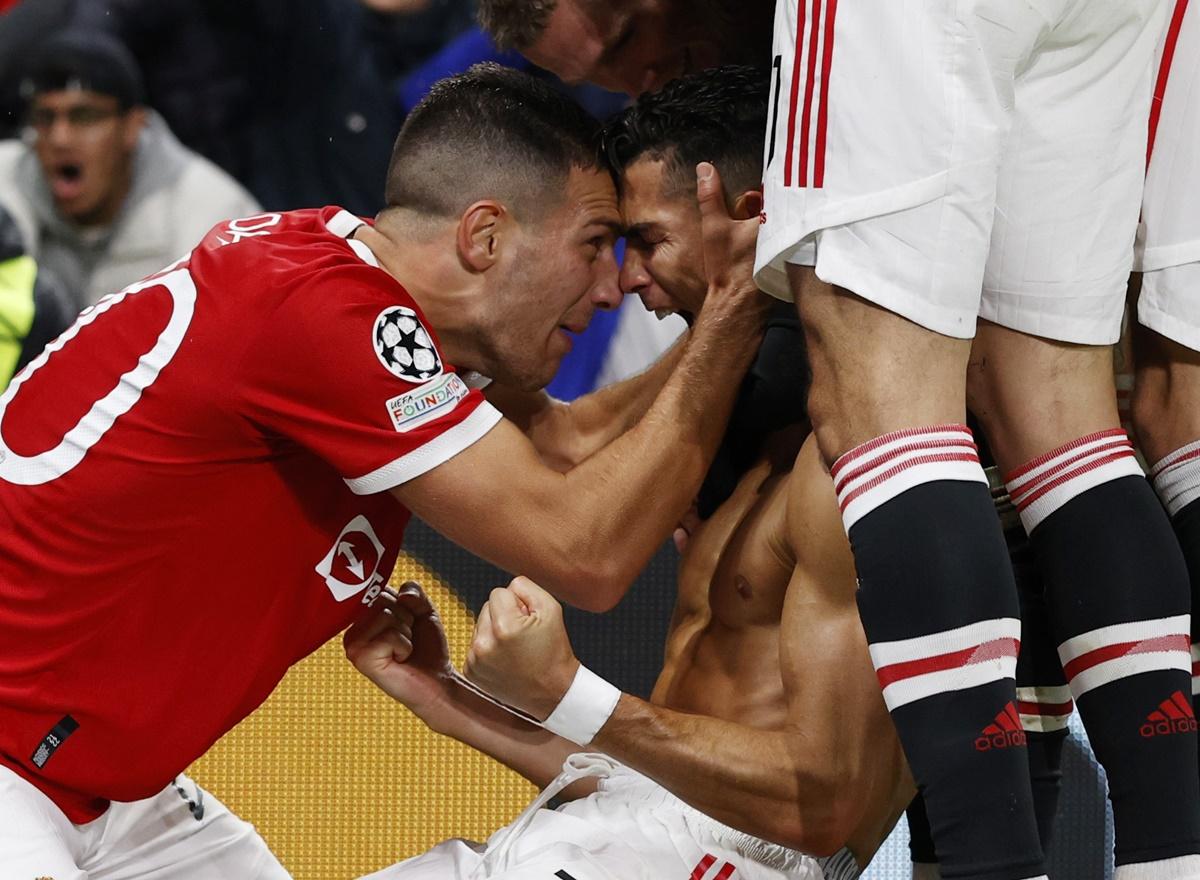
1187,456
1043,488
1084,662
1062,450
725,873
871,445
847,476
1113,446
901,468
990,650
823,107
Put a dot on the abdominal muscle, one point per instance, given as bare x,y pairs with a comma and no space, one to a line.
722,653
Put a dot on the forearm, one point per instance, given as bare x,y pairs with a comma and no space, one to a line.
755,780
564,434
615,509
595,420
535,753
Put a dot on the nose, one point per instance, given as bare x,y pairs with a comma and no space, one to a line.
633,278
60,132
606,292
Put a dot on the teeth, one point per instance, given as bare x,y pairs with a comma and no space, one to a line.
663,313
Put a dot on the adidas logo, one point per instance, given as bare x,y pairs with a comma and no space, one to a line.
1005,731
1173,715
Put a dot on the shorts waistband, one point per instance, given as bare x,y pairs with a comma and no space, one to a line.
840,866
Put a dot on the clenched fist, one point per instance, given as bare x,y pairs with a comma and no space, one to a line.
520,652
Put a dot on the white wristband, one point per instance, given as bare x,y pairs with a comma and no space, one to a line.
584,708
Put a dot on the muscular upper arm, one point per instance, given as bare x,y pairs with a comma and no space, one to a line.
541,418
498,500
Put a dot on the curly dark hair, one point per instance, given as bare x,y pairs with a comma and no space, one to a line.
717,116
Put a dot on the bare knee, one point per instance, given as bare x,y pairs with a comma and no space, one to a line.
874,372
1166,397
1034,395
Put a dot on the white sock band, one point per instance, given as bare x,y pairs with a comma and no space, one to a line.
1042,486
1178,868
584,708
870,475
1177,478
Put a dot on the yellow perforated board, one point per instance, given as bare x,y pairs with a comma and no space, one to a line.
341,780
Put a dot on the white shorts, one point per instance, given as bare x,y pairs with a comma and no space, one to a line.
1168,240
630,829
955,159
182,833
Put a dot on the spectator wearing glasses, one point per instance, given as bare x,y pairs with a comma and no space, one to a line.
102,191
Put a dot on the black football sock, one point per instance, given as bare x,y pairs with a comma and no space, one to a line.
939,607
1177,482
1117,591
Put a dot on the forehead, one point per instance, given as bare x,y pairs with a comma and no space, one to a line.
591,197
73,98
650,194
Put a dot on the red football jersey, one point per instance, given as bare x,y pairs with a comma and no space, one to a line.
193,496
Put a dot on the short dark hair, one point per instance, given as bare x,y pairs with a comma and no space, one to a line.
491,132
515,24
717,116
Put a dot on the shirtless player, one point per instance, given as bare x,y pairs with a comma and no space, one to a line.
766,716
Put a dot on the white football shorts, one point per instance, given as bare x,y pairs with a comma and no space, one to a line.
955,159
1168,240
630,829
183,831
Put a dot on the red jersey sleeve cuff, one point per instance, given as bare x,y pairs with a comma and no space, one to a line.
437,451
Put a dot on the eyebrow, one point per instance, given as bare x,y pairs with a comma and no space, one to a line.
643,227
613,226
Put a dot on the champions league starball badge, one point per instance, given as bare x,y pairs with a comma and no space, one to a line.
404,347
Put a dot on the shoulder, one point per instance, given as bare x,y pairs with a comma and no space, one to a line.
10,152
13,198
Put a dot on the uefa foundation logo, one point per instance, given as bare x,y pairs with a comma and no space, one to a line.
404,346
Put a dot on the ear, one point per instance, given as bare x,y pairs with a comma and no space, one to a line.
135,120
482,230
749,204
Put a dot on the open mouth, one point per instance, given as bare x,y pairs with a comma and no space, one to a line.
66,181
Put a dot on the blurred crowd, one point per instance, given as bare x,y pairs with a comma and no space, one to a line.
129,127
